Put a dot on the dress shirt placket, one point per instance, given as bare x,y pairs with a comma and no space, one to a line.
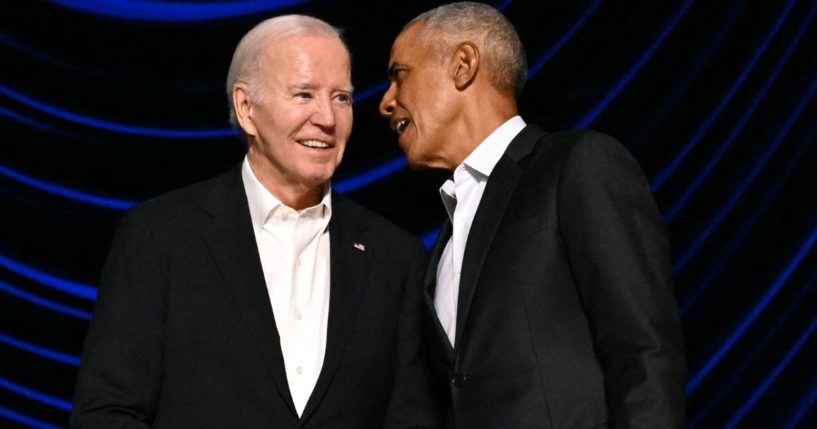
278,234
460,196
464,185
304,244
306,329
445,302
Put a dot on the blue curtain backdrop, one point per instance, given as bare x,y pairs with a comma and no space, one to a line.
107,103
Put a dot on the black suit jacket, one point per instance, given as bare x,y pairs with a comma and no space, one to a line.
566,315
183,334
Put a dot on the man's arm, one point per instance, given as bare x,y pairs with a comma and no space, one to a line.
118,381
619,255
413,404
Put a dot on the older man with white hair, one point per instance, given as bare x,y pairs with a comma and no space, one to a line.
260,298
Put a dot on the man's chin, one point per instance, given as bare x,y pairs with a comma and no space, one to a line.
417,160
416,164
318,173
414,160
317,181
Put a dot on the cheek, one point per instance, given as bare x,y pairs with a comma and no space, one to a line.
344,119
339,154
429,106
282,126
430,119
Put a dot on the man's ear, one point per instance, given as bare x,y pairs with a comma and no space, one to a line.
465,64
242,104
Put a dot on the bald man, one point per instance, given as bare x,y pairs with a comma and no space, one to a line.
260,298
548,297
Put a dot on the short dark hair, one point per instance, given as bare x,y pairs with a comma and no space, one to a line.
483,25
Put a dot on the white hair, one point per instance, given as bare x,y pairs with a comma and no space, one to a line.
249,53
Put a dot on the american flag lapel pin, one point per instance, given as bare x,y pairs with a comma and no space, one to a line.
360,246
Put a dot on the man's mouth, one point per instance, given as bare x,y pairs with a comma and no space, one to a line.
317,144
401,126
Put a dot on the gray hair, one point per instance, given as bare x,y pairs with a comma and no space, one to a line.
249,53
486,27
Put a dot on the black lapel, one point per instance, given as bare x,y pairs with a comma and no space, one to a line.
430,284
498,192
231,242
349,270
430,281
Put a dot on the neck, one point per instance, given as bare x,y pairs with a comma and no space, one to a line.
296,195
477,121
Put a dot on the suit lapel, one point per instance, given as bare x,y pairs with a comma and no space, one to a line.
430,283
349,269
231,242
430,280
498,191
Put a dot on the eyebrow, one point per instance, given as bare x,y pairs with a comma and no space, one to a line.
307,85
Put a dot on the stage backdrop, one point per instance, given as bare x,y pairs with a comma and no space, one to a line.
104,104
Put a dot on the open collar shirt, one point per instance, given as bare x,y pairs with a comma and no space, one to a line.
461,196
294,250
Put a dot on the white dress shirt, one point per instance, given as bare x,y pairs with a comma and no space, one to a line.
461,198
294,250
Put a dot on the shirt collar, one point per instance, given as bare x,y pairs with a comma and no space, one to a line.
262,202
485,156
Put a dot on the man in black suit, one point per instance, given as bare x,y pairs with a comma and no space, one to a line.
260,299
548,298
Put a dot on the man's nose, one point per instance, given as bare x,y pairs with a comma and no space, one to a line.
387,103
324,114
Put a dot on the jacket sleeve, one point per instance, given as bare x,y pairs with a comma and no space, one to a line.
119,377
413,403
618,251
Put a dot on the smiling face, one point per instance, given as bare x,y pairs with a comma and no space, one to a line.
421,102
300,118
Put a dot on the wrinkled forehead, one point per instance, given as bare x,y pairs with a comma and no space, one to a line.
413,41
290,51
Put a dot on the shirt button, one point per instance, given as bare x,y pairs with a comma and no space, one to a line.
285,216
458,380
298,315
298,262
299,370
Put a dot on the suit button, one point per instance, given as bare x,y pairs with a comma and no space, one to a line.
458,380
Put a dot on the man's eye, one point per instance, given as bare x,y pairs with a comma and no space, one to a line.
395,75
399,76
304,95
344,98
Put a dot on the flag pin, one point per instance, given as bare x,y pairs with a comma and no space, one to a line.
360,246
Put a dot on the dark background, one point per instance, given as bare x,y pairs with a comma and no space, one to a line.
103,106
